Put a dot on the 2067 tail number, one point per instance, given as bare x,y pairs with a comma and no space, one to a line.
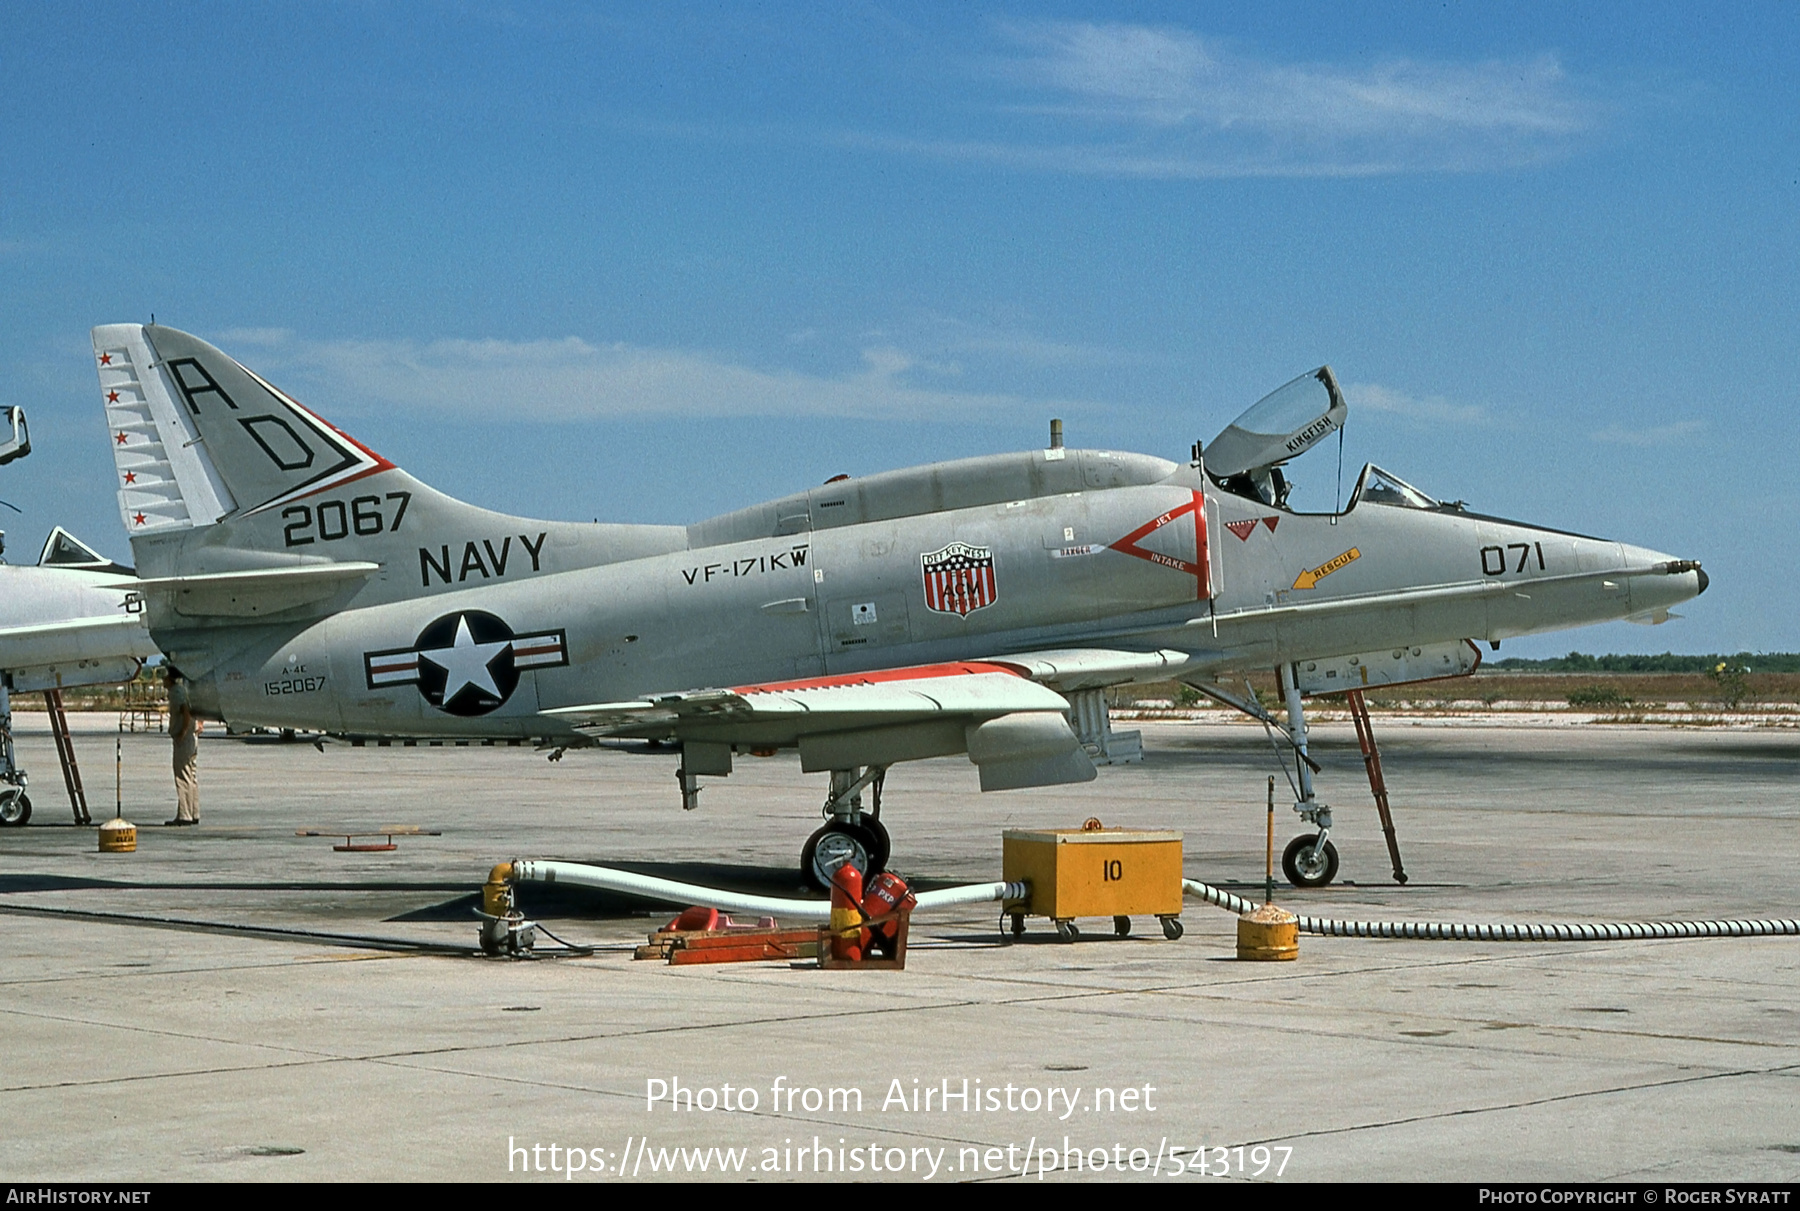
331,520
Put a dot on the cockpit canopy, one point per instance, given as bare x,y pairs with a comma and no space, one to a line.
1283,424
63,550
1246,459
1287,422
15,438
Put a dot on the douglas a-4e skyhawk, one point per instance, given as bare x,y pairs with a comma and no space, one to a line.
980,606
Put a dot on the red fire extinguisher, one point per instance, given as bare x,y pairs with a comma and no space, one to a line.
887,893
847,941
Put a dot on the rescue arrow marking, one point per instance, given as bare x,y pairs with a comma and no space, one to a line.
1308,579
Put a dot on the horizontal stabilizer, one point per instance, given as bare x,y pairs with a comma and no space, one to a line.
254,593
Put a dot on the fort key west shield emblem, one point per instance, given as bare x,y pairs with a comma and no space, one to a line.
959,579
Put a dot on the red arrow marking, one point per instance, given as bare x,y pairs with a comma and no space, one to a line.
1198,569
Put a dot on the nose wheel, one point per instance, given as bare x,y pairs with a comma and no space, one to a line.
1308,864
15,806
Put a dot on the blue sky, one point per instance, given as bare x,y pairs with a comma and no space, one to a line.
656,262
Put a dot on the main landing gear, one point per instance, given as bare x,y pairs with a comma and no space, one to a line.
850,835
15,804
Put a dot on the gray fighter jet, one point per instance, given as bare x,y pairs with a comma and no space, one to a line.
981,606
73,619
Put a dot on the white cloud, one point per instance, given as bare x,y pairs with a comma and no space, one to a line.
1159,101
570,378
262,337
1655,435
1376,398
1005,338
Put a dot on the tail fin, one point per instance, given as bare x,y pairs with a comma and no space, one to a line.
201,443
197,437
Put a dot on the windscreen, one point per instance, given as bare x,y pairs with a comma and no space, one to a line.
63,550
1378,487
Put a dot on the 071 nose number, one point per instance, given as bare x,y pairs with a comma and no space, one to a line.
1494,559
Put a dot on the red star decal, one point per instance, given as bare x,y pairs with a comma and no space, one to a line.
131,477
119,437
138,518
106,359
112,397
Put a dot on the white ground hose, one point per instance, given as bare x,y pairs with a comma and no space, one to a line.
1452,931
607,878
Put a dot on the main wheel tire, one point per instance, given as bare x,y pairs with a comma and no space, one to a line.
15,808
884,845
1305,868
837,843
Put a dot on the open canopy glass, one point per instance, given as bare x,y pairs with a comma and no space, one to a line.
1283,424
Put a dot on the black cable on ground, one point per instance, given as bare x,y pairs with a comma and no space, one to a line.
358,941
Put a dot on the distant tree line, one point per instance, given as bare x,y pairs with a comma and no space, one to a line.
1668,662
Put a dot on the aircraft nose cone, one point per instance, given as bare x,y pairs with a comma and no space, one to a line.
1704,579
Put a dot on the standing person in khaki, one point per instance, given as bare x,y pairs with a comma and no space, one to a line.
184,730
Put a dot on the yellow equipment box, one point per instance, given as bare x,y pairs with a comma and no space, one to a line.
1086,872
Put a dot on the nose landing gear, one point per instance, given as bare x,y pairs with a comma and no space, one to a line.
1310,860
1307,863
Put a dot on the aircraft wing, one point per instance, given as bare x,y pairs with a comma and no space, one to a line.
86,651
1072,669
1013,729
